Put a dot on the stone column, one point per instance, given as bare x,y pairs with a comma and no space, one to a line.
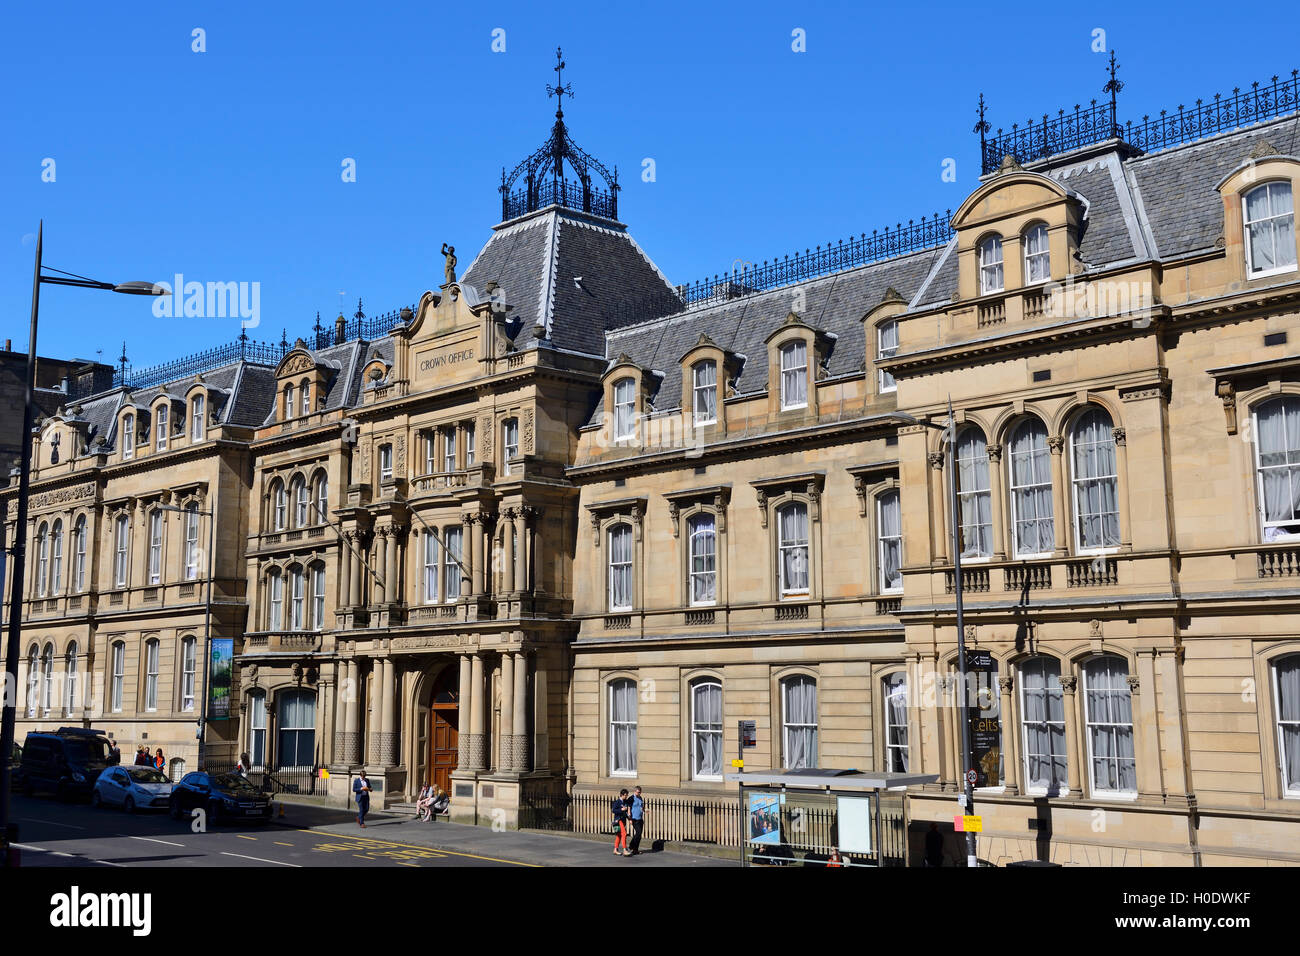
505,740
1010,738
475,527
538,565
467,554
1068,684
521,549
519,740
995,495
345,571
466,698
507,551
352,752
938,508
476,746
388,716
375,726
1121,488
381,567
354,559
541,716
1060,519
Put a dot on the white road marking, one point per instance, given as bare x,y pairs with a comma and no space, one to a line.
41,849
51,823
151,840
260,859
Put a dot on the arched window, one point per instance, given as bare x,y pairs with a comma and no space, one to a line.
703,559
305,390
973,494
275,608
624,409
33,680
121,541
322,499
297,598
279,506
509,443
118,678
431,561
128,437
1286,697
191,541
256,730
56,558
151,674
1038,261
620,567
895,697
318,596
155,546
1108,709
990,262
889,535
289,407
792,548
70,680
1096,496
887,347
198,419
1042,711
704,390
794,375
79,554
1269,214
47,679
42,560
297,730
1277,447
706,730
622,727
1031,491
160,422
189,658
301,502
799,722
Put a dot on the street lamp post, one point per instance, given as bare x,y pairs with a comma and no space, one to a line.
19,547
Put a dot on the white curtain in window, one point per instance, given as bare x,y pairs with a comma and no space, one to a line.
706,391
620,568
800,702
296,602
1110,725
1043,711
301,497
973,494
119,674
277,602
1279,463
155,547
318,597
47,679
33,682
794,375
1287,673
191,542
450,568
256,730
622,726
79,555
1031,489
297,724
990,255
704,568
706,729
151,675
887,347
1270,227
896,722
891,541
1037,259
187,673
792,527
70,679
1096,499
430,569
624,406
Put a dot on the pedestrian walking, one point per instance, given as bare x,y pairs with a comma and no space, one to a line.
618,807
159,761
636,813
114,752
361,791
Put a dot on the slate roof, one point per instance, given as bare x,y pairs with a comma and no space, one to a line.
536,259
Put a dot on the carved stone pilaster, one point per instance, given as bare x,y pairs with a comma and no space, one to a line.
1133,684
1056,443
1119,434
936,459
995,453
475,751
347,744
1068,683
1228,393
519,755
674,510
762,507
1006,683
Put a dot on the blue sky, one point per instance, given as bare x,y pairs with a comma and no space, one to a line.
226,165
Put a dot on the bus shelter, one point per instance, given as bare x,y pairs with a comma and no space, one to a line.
808,817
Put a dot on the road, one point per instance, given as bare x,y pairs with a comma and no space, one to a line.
52,833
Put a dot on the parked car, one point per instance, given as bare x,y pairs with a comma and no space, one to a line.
15,761
66,761
225,796
132,788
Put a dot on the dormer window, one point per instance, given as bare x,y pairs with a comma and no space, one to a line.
624,409
198,424
990,257
1038,262
704,382
794,375
161,417
288,401
1270,229
886,347
306,397
385,462
128,437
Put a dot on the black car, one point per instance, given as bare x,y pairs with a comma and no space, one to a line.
224,796
66,761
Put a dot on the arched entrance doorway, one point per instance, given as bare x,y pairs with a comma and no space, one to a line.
444,722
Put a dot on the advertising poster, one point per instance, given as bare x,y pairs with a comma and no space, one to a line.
223,653
985,719
764,818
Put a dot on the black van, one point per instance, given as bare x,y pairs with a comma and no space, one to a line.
66,761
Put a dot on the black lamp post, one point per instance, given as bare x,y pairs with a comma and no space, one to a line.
19,548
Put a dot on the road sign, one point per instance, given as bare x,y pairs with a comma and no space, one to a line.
972,776
748,733
738,764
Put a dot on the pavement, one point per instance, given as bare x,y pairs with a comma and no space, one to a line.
52,833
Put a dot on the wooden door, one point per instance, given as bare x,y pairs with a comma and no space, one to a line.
444,722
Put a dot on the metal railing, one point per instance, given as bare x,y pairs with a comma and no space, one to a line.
560,192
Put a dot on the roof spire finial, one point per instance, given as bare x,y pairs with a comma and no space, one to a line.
561,89
122,364
1113,86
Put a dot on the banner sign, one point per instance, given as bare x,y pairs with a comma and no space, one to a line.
985,719
219,678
